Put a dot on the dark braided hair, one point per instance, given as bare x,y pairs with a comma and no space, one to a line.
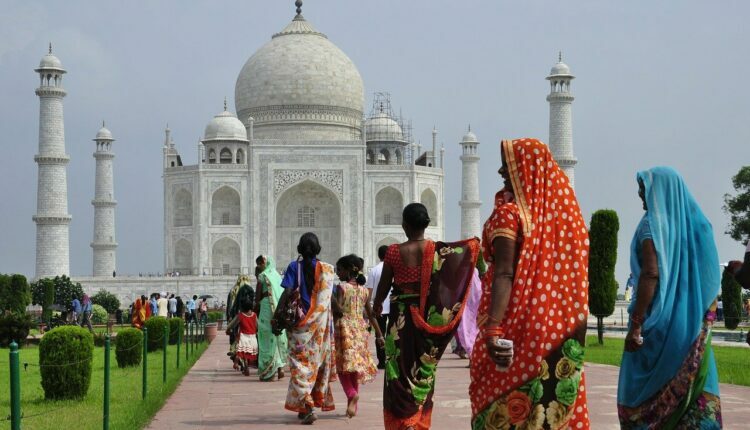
308,248
353,263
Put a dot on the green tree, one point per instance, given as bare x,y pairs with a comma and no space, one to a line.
20,295
738,207
602,260
64,288
731,296
106,300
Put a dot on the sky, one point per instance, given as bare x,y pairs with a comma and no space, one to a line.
657,83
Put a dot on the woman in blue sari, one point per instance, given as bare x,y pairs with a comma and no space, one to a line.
668,376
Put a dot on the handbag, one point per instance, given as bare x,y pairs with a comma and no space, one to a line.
289,312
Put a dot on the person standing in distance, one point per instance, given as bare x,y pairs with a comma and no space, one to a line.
373,279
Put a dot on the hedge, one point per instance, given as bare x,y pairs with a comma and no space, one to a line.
65,356
214,316
176,325
107,300
129,347
155,326
99,315
602,261
14,327
731,295
15,294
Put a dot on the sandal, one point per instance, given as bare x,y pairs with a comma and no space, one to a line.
309,418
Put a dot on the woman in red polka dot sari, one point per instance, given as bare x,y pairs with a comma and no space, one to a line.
527,364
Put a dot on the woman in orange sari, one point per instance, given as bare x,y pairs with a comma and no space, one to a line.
141,312
527,364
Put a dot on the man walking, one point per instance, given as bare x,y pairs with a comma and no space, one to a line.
373,279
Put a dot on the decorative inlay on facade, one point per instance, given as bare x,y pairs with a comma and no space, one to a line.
287,113
52,220
332,179
218,184
380,236
215,237
52,159
396,185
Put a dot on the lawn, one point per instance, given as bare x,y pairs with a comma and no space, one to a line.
127,410
730,361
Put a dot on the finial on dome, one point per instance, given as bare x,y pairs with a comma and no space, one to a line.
298,3
225,103
469,127
559,56
103,126
50,47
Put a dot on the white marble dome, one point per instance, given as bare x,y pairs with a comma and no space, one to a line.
560,69
470,137
49,61
104,134
301,86
381,127
225,126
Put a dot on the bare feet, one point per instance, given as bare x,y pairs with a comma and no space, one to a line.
281,373
351,408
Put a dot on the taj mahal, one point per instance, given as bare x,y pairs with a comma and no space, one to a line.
300,152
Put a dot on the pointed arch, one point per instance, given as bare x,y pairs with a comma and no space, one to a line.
225,207
225,257
183,257
183,208
389,203
429,200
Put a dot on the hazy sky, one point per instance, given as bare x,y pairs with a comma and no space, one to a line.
656,83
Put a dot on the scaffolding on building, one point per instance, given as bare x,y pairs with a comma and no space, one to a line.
383,125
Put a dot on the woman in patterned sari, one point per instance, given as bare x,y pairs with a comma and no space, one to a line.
527,364
311,349
430,282
668,376
272,355
141,312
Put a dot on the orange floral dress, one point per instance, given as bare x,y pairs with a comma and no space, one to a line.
544,388
312,351
352,338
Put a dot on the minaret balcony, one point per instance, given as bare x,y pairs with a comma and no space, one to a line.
101,203
470,203
51,92
52,220
560,97
52,159
104,246
104,155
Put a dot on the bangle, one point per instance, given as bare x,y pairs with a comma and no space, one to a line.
637,319
494,331
491,318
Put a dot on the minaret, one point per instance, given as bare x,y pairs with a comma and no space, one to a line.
561,118
432,159
471,222
104,244
52,218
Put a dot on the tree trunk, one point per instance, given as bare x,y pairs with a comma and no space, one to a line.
600,329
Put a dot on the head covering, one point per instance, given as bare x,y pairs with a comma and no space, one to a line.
689,281
274,279
86,299
549,299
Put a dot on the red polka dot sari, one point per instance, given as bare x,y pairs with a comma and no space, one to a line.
546,315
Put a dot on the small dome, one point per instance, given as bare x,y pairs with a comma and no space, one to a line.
225,126
560,69
49,61
469,137
382,127
104,134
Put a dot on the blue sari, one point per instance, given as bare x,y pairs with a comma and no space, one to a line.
671,381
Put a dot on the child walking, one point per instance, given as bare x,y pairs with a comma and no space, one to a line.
354,362
247,345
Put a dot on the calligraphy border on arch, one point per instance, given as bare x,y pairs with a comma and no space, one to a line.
283,179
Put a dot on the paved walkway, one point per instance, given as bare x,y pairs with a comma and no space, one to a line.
213,396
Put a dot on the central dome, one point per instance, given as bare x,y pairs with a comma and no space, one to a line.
301,86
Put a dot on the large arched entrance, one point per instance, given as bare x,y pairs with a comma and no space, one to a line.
308,206
225,257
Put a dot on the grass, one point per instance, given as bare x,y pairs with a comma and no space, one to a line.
730,361
127,409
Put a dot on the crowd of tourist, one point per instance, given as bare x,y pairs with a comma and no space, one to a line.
514,303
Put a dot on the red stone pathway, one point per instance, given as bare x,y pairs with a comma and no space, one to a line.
213,396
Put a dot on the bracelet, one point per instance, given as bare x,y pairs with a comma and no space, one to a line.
494,331
491,318
637,320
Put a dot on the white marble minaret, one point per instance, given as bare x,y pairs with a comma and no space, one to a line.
470,217
52,218
104,244
561,118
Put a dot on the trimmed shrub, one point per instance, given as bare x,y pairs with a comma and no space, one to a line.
14,327
602,260
15,294
99,315
107,300
214,316
129,347
65,356
731,294
176,325
155,326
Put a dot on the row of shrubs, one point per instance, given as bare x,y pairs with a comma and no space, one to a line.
66,353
